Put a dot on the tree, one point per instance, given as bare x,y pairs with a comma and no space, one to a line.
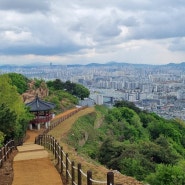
7,121
167,175
69,86
77,90
110,150
20,81
127,104
13,109
81,91
130,116
56,84
1,138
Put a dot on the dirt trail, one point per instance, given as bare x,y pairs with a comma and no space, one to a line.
32,165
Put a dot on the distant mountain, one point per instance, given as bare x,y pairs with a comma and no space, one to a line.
111,63
176,66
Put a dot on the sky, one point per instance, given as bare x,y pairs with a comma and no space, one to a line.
86,31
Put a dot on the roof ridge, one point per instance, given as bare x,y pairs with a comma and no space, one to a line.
40,105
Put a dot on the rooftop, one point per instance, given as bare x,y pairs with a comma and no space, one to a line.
39,105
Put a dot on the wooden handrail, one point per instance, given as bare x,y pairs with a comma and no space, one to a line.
5,151
63,162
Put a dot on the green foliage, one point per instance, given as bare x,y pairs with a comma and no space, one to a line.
125,124
127,104
109,151
65,95
69,86
157,153
7,121
14,115
83,137
102,109
55,100
167,128
130,116
56,84
2,137
20,81
10,96
136,143
146,118
167,175
75,89
81,91
135,167
38,83
61,99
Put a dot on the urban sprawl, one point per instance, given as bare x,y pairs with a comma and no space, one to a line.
159,89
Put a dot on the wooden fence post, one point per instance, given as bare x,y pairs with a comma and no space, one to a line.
58,154
67,167
39,139
1,158
79,174
14,145
35,140
53,145
110,178
55,149
50,143
44,140
7,152
73,172
89,177
10,147
61,162
47,141
4,153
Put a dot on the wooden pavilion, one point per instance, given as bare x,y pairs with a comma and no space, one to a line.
42,111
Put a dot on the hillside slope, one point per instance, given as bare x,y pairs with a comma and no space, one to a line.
99,172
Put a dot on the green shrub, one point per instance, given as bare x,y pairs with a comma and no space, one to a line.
167,175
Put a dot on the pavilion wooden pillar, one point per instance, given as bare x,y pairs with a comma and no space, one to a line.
42,110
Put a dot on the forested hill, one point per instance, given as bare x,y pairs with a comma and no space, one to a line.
134,142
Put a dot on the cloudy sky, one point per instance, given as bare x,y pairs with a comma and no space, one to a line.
85,31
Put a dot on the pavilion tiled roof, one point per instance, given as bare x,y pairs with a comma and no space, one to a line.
39,105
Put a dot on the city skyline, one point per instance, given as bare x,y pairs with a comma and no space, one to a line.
83,32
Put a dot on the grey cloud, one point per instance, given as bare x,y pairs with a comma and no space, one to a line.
126,4
109,26
131,21
26,6
70,25
177,44
102,27
132,5
40,50
159,25
144,19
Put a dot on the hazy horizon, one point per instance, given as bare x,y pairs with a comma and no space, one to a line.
53,64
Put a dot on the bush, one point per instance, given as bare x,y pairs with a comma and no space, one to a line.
167,175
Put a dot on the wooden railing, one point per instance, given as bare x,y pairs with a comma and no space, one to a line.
56,121
41,119
73,174
6,150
